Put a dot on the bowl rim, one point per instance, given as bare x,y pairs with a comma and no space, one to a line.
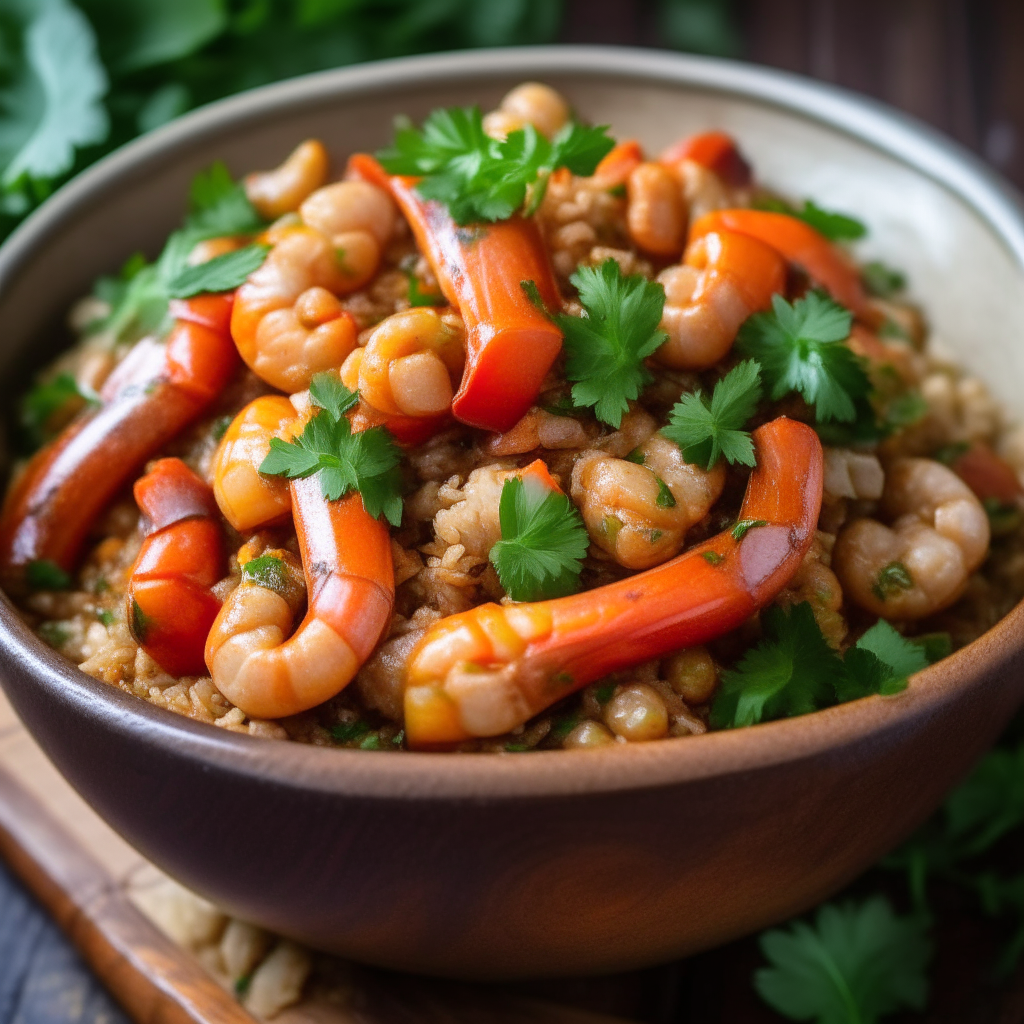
437,776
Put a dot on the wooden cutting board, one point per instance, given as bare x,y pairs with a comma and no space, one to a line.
94,883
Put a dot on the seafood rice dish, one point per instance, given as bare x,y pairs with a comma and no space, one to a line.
511,436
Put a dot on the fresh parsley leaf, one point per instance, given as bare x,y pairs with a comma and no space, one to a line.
327,392
42,574
837,227
800,348
366,462
220,274
218,204
483,179
881,280
49,405
788,673
856,964
418,296
346,732
709,430
740,530
140,622
880,662
606,347
53,104
989,805
891,579
543,542
108,618
266,571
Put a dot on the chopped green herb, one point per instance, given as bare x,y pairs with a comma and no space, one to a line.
904,410
483,179
398,739
219,206
604,693
837,227
543,541
739,531
709,430
619,191
637,457
665,499
140,622
219,427
266,571
101,586
419,297
108,618
891,329
949,453
655,536
366,462
371,742
220,274
856,964
712,557
881,280
242,984
606,347
346,732
517,748
936,646
561,727
794,671
55,634
42,574
1002,518
48,405
891,580
800,348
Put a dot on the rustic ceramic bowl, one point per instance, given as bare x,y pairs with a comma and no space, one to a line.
498,866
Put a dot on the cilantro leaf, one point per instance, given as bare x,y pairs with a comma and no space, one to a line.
606,347
327,392
53,105
42,574
480,178
788,673
709,430
543,542
266,571
882,280
220,274
855,965
366,462
800,348
836,227
49,405
218,204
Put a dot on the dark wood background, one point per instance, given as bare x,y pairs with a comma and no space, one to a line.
958,64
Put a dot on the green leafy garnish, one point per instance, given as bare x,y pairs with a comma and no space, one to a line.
740,530
793,670
420,297
713,557
266,571
346,732
483,179
220,274
42,574
709,430
219,206
837,227
108,618
55,634
48,405
800,348
881,280
140,622
543,541
606,347
665,499
857,964
891,579
366,462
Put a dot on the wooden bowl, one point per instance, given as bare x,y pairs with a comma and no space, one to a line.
502,866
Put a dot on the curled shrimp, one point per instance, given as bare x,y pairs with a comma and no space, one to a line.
411,363
154,393
254,658
920,564
638,510
280,191
169,604
247,498
724,278
485,671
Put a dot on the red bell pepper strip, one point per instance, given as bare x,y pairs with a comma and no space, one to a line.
485,671
510,344
169,606
616,167
716,151
156,391
989,476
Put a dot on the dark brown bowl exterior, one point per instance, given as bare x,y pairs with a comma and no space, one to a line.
498,866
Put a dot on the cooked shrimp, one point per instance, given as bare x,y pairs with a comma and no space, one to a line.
723,279
247,498
816,583
920,564
639,510
529,103
411,363
655,215
485,671
169,604
282,190
253,657
287,323
155,392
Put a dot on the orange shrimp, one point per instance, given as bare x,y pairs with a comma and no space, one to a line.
169,604
723,278
346,556
485,671
155,392
798,243
716,151
615,168
510,345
